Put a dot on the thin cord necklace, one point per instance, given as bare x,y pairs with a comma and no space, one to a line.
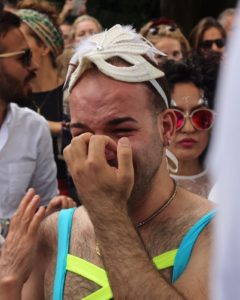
160,209
39,107
152,216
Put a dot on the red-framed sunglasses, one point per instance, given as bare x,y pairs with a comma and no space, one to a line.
201,118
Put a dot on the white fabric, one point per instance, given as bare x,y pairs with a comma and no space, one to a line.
213,194
198,184
225,161
4,129
26,160
118,41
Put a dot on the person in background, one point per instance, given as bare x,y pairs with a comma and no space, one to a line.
65,29
10,5
47,96
208,35
194,122
26,153
166,36
83,27
226,19
72,9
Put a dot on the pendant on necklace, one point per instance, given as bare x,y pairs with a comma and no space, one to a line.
98,249
39,110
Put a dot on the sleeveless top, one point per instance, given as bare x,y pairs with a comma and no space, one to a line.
176,258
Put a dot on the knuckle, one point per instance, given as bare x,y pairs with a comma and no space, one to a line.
66,151
92,164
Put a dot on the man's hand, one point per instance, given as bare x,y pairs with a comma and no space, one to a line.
101,169
18,251
59,202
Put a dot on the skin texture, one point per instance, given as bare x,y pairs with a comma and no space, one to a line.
186,97
110,152
18,253
213,34
20,243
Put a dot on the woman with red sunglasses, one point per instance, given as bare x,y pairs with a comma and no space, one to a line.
194,122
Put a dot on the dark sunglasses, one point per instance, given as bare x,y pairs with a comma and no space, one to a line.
25,56
201,118
207,44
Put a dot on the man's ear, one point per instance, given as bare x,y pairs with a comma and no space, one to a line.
45,50
167,126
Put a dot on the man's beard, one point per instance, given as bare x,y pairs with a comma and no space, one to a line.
12,89
145,170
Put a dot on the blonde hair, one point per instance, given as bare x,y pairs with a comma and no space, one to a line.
82,19
154,34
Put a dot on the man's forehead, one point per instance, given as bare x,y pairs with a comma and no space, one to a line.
100,95
94,77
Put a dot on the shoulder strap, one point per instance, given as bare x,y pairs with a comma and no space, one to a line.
185,249
64,232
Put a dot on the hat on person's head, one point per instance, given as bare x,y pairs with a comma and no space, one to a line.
44,28
122,42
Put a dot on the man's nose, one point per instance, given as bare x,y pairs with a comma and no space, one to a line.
33,66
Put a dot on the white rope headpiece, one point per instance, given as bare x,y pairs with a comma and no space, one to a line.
118,41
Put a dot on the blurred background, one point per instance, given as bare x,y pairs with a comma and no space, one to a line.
137,12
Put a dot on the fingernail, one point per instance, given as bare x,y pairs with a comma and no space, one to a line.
124,141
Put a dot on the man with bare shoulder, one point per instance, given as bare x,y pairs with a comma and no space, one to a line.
138,235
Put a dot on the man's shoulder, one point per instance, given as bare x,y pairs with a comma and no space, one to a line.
80,225
26,114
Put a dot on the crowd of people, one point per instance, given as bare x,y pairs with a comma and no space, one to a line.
106,194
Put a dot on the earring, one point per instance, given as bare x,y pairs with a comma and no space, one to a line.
167,143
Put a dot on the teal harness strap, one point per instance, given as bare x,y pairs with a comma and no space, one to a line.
185,249
64,230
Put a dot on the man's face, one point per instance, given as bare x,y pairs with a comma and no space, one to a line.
117,109
15,78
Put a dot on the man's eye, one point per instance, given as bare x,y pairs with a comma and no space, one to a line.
77,133
123,130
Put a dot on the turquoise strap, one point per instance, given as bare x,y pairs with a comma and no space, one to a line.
64,231
187,243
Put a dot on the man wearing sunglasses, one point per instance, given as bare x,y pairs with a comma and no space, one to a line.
26,155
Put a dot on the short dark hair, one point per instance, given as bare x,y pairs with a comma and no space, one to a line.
182,72
200,70
8,21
